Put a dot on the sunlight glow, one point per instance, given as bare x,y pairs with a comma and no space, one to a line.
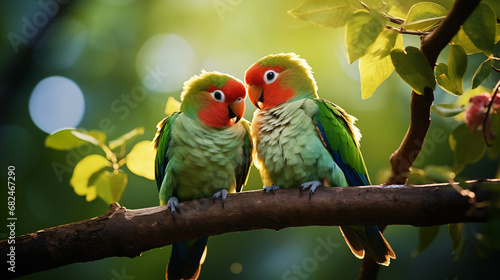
164,62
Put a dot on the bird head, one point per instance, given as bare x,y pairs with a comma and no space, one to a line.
279,78
216,99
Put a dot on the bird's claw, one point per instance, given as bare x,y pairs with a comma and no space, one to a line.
173,205
222,193
272,188
311,185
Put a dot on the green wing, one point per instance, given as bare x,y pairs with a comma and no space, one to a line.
161,143
340,136
243,170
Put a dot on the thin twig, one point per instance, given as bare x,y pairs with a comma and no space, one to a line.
410,32
392,19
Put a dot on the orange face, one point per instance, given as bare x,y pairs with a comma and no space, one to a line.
264,88
225,106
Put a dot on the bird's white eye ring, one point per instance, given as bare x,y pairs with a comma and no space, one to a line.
270,76
218,95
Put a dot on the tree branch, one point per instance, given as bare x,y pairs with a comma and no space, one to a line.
420,113
401,30
127,233
431,45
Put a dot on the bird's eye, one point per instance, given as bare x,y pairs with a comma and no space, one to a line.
270,76
218,95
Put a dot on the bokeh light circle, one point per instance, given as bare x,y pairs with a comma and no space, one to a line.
164,62
56,102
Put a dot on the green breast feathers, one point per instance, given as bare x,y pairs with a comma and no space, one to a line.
288,150
203,160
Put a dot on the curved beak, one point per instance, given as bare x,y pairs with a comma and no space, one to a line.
256,95
236,110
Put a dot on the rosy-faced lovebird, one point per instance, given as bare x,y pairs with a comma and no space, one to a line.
302,141
203,150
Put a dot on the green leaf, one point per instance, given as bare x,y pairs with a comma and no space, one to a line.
412,66
482,73
457,64
444,81
110,185
141,160
468,147
378,5
126,137
362,30
497,36
376,66
84,170
424,11
424,15
425,237
455,231
66,139
86,137
422,24
480,27
447,110
327,13
463,40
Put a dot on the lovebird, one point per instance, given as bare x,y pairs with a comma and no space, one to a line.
203,150
302,141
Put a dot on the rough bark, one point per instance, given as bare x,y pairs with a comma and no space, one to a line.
431,46
420,113
127,233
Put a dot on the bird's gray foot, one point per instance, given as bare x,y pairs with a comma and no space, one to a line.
173,205
272,188
222,193
311,185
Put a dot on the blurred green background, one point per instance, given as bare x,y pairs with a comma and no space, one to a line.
117,62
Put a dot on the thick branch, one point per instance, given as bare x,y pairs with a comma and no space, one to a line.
127,233
431,45
420,113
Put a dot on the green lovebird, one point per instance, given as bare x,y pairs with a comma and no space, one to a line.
302,141
203,150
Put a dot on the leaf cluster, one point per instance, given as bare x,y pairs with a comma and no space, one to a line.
374,37
102,176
